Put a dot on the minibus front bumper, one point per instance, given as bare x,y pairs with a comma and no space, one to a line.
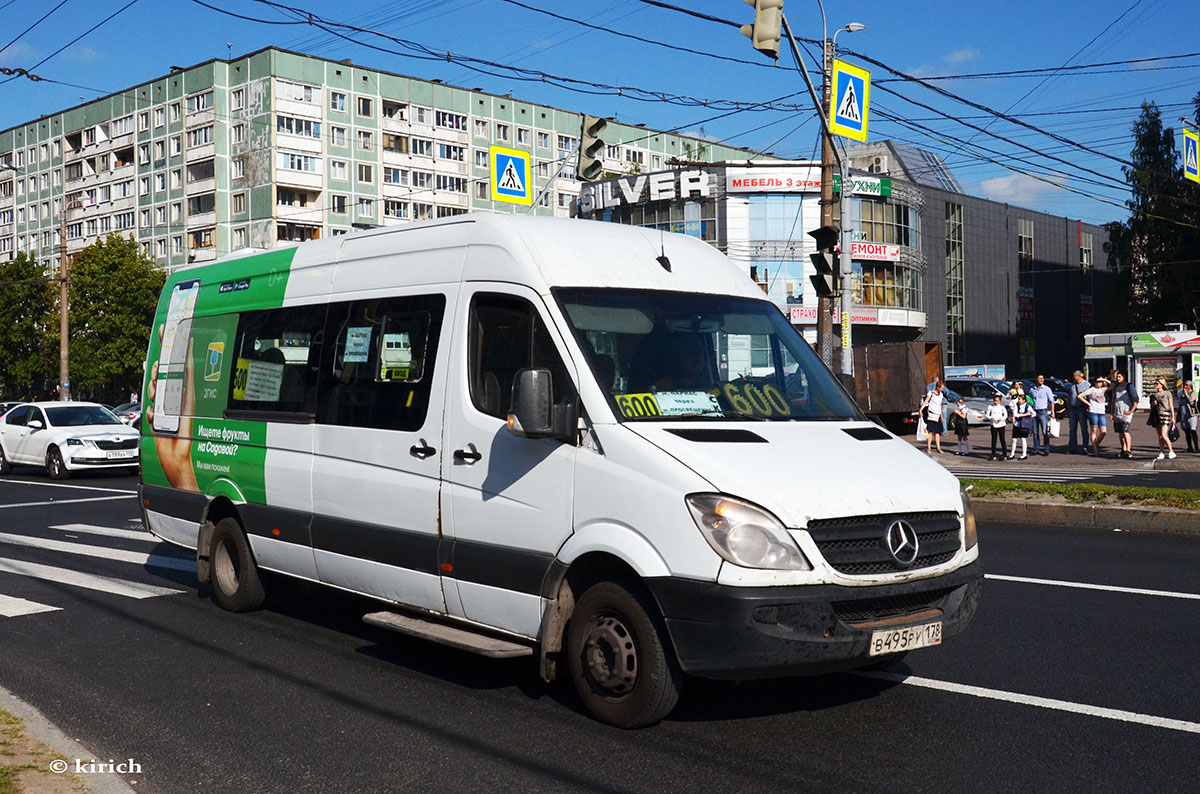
721,631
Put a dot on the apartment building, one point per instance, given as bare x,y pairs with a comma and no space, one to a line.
279,146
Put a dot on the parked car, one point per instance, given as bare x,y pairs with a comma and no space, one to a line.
1060,395
128,413
65,437
978,394
5,407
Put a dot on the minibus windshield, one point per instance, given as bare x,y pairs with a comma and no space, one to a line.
672,355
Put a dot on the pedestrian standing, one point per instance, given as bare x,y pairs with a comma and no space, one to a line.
1124,403
1077,411
1043,407
1188,416
1162,418
997,416
1023,416
932,410
1097,403
962,428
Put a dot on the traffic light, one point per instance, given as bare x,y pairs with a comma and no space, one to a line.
825,261
591,148
764,33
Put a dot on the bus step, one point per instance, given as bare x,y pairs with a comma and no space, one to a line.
463,639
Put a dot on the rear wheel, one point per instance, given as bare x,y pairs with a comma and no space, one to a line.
622,668
5,466
234,574
55,466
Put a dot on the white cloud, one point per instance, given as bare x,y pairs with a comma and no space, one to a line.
961,56
19,52
1018,188
83,54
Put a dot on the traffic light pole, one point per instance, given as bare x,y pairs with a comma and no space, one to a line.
64,368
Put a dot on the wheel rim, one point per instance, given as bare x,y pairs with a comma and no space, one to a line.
610,656
225,568
56,463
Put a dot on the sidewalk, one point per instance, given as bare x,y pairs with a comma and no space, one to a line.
1145,450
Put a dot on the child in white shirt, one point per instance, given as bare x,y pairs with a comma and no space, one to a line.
997,416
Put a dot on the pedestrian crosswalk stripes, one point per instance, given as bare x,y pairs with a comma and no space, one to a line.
15,607
12,606
1014,471
120,555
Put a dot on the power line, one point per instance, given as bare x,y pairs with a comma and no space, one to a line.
1058,69
77,38
34,25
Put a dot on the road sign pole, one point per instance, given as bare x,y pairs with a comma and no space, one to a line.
847,357
825,305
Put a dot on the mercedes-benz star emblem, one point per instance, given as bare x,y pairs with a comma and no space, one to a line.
901,541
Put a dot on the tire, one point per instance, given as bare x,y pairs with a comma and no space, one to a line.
624,673
55,466
236,585
5,466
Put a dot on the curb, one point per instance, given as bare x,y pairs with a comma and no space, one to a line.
1179,464
1154,519
37,727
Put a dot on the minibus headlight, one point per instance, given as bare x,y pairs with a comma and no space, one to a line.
970,538
745,535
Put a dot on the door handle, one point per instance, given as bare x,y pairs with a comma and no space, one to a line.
423,451
467,455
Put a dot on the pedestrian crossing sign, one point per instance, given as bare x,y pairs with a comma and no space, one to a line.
850,98
511,176
1191,155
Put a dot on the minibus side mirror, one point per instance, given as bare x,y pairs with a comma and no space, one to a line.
533,413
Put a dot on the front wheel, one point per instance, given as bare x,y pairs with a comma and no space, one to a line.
5,466
235,580
55,466
623,670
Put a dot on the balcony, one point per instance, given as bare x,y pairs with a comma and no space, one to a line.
201,186
304,179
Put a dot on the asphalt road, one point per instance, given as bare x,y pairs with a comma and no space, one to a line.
1053,688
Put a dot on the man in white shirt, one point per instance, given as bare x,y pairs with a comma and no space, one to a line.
1043,405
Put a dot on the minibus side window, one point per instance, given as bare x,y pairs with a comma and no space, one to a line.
508,335
378,371
276,353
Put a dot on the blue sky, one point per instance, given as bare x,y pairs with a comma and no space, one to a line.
1094,107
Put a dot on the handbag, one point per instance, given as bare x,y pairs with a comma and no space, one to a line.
1055,428
922,433
1173,433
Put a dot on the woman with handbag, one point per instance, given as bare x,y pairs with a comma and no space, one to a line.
1023,416
1162,418
1188,415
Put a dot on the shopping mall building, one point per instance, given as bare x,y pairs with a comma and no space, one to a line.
992,282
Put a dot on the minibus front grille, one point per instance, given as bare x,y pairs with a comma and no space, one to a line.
128,443
889,607
857,545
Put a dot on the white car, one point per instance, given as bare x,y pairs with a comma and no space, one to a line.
65,437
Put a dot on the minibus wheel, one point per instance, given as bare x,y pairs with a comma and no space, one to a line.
236,585
623,670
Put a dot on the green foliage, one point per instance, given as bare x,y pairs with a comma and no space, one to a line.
1153,253
1090,493
28,328
114,291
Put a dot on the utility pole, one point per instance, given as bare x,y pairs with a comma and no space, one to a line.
825,304
64,270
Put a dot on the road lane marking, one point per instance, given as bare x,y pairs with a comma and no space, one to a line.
1033,700
90,581
15,607
1088,586
120,555
111,532
69,501
61,485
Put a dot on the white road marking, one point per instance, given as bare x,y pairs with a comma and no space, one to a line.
68,501
111,532
90,581
1088,586
1039,702
121,555
63,485
15,607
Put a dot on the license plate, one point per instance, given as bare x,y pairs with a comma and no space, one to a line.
887,641
121,453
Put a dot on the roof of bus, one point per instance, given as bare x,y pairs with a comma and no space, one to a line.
538,252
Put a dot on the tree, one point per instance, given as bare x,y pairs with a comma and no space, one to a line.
1153,252
28,331
114,291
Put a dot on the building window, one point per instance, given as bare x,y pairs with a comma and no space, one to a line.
366,174
366,208
421,115
306,128
176,178
239,203
239,133
160,117
450,212
365,141
393,110
176,212
176,145
543,140
291,198
566,143
239,238
522,136
298,162
449,152
160,182
1025,251
954,285
143,121
454,184
502,131
297,92
421,211
421,178
200,102
338,205
200,238
198,205
176,110
364,106
451,121
237,99
481,190
237,169
122,126
481,128
395,176
481,158
337,101
422,146
337,136
1085,252
160,248
396,209
297,232
200,136
337,170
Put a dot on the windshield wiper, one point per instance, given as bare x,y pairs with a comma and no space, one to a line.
724,412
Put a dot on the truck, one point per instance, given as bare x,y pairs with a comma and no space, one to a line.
890,380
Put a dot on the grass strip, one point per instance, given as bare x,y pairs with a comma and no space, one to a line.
10,734
1089,493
